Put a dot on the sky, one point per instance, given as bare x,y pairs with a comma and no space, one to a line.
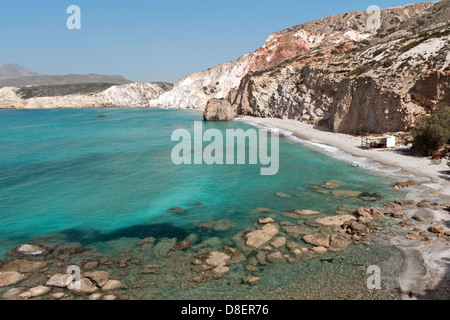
147,40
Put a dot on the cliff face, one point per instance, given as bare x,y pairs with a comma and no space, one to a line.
195,90
128,95
339,73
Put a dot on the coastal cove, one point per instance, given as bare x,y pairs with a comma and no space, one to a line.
103,194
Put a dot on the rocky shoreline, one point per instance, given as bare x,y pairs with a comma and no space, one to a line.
296,237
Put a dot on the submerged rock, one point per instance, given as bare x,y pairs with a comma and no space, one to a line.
296,231
405,184
319,250
23,266
256,239
10,277
30,249
250,280
394,210
320,239
438,229
113,285
404,203
183,245
340,241
282,195
91,264
418,217
99,278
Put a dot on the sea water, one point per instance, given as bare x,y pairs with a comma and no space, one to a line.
107,181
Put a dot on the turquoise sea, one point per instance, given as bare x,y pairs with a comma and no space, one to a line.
99,180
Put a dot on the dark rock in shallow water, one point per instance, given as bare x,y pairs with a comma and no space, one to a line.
10,277
183,245
178,210
152,269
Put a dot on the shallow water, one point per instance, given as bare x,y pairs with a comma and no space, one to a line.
106,183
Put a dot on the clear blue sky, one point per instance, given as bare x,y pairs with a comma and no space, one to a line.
146,40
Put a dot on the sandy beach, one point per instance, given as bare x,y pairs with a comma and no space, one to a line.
425,272
420,167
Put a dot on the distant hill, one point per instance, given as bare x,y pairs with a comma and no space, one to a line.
43,80
9,71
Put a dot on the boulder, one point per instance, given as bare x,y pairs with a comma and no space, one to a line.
253,281
296,231
60,280
428,204
320,239
438,229
91,264
355,228
275,257
298,214
346,193
282,195
335,221
236,256
418,217
11,293
220,271
10,277
23,266
394,210
216,259
178,210
114,285
319,250
95,296
404,202
257,238
218,110
278,242
36,292
151,269
99,278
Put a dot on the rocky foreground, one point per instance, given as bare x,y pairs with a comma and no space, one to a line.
294,237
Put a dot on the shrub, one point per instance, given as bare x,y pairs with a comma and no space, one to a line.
378,52
358,71
433,132
388,63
